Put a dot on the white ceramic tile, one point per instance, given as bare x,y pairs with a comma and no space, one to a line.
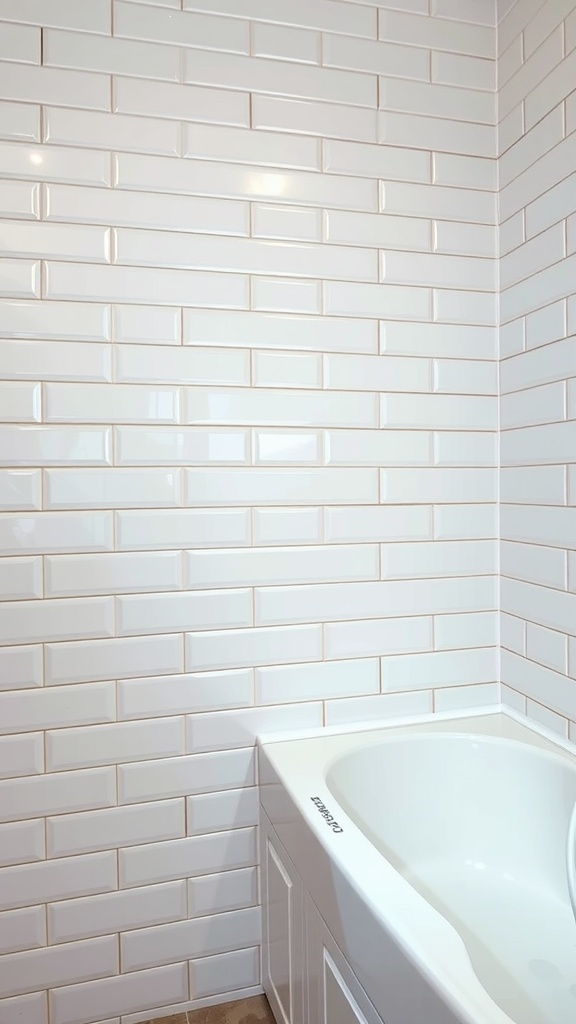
381,707
182,29
77,1004
21,755
181,776
378,230
188,939
512,633
108,744
73,834
22,842
445,101
448,558
287,526
150,325
477,695
378,637
277,565
380,161
217,812
28,884
187,446
543,565
20,200
431,412
465,377
30,710
533,145
20,403
476,629
110,55
552,90
31,1008
148,613
543,605
465,307
49,446
222,730
380,300
466,239
547,647
358,21
439,201
59,965
225,972
54,532
379,448
110,659
265,330
543,404
197,855
21,667
180,528
438,270
409,522
470,522
463,448
300,223
470,72
236,648
405,62
546,443
276,294
39,621
533,484
546,325
112,488
272,408
533,680
440,669
285,43
102,403
280,369
286,486
19,279
52,85
180,365
235,145
20,122
50,360
449,135
324,681
477,40
57,792
449,340
175,694
22,929
113,912
111,131
59,13
181,102
229,890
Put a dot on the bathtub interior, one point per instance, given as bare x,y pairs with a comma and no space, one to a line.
478,826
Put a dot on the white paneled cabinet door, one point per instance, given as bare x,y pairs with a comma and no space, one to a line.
283,946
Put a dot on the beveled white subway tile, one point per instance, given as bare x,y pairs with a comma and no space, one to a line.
243,255
219,812
275,408
376,373
19,122
181,776
435,270
110,744
180,528
434,100
467,240
236,145
47,533
377,300
439,412
222,730
381,161
73,834
149,613
535,255
126,993
449,340
184,446
57,793
281,448
52,85
474,629
55,320
110,55
229,890
138,284
549,719
53,360
533,484
39,621
167,695
132,209
511,233
436,133
375,56
440,201
328,17
140,365
321,681
381,707
456,698
74,166
19,489
511,129
187,939
31,1008
19,279
276,294
378,637
438,485
287,370
545,174
543,605
50,446
241,181
533,145
22,842
543,565
58,13
437,558
539,366
465,377
510,60
262,330
472,522
537,525
20,402
363,524
286,486
77,575
386,599
440,34
182,29
473,11
269,76
21,755
148,325
21,578
29,884
71,920
546,443
299,223
543,404
537,66
512,338
262,566
307,117
287,526
106,403
22,929
379,448
20,200
533,680
473,172
470,72
113,659
44,968
111,131
285,43
440,669
240,647
465,307
181,102
21,667
112,488
462,448
554,88
378,230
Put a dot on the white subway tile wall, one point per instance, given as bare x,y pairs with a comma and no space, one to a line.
248,408
538,365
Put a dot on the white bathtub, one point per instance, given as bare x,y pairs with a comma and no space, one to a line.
416,875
